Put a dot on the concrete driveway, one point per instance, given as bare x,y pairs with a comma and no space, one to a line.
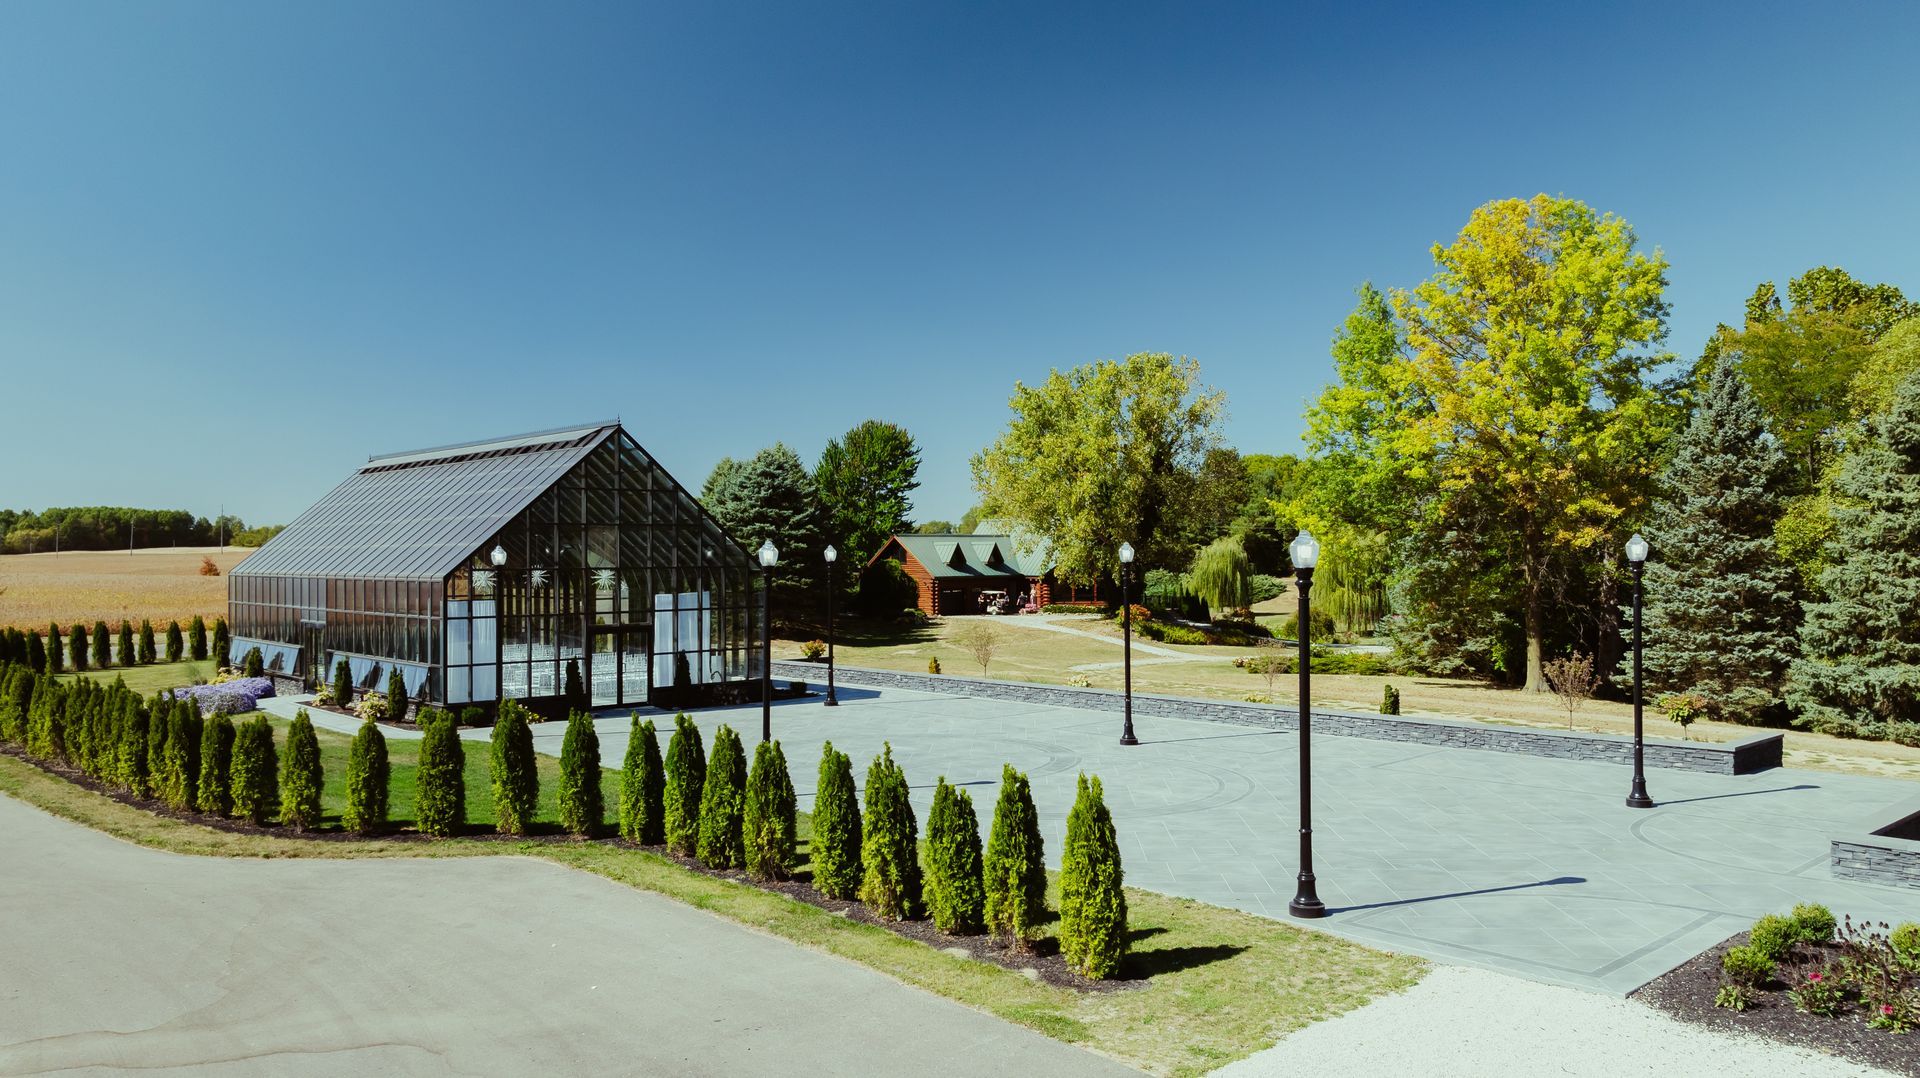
116,958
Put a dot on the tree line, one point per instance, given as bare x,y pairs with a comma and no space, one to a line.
102,527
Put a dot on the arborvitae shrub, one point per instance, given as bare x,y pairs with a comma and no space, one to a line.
396,696
343,685
581,807
16,697
255,664
643,784
835,846
513,774
956,889
769,823
367,775
176,642
222,643
102,646
933,665
441,805
576,694
131,759
300,778
42,729
255,774
1016,867
36,653
1093,904
197,638
214,795
56,650
686,768
77,646
148,656
124,653
1389,700
182,756
723,802
159,726
890,843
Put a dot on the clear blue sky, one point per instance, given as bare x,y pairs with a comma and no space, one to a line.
245,245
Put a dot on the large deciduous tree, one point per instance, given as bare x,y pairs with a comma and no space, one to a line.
1104,453
866,479
1721,607
1528,412
772,496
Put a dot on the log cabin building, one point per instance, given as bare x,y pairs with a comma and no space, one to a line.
955,574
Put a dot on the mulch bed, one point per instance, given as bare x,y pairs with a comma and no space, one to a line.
1687,993
1043,963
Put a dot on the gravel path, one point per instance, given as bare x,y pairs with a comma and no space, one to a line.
1477,1024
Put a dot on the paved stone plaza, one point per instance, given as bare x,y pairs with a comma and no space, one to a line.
1525,865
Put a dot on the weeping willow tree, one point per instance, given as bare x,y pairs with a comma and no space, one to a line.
1222,575
1351,581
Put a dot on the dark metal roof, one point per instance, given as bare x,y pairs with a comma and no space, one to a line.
946,556
419,515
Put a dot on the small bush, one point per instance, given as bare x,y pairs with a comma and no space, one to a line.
148,655
686,770
367,775
213,794
723,802
208,567
77,647
182,755
1389,700
222,643
103,646
1906,941
642,786
1772,936
300,778
1167,633
1322,625
1016,868
1748,966
512,772
1093,903
890,843
441,803
1820,994
125,654
396,696
769,822
582,810
254,779
933,665
477,716
1734,996
956,887
37,653
342,684
813,650
836,827
1073,608
56,650
1813,923
196,637
1266,587
253,665
1361,663
576,693
371,708
176,642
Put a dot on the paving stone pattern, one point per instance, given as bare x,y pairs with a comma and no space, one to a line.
1516,863
1755,753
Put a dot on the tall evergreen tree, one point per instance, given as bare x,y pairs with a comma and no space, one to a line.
77,646
1016,867
396,696
582,809
441,776
124,654
176,643
222,642
514,775
956,894
773,497
722,802
148,655
56,650
1720,604
197,638
890,843
1859,671
36,653
1093,901
643,786
343,685
300,777
835,847
769,823
182,756
102,646
254,780
368,771
213,795
866,479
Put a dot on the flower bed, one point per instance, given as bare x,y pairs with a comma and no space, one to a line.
1854,993
234,697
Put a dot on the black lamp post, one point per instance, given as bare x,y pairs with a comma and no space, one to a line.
769,557
1637,796
833,557
1306,900
499,559
1126,638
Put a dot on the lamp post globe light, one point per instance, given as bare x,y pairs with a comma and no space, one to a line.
769,557
1637,795
1306,899
1126,641
832,556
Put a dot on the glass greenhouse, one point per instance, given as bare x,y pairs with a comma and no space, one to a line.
481,571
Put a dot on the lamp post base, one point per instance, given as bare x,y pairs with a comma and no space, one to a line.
1307,905
830,701
1637,798
1129,739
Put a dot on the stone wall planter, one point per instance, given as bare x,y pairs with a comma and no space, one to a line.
1885,850
1756,753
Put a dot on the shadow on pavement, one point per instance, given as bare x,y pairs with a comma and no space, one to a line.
1555,882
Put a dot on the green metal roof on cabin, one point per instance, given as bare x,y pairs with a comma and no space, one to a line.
950,556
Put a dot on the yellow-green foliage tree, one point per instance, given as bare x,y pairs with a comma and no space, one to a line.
1104,453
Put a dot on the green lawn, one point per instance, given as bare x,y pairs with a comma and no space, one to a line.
147,680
